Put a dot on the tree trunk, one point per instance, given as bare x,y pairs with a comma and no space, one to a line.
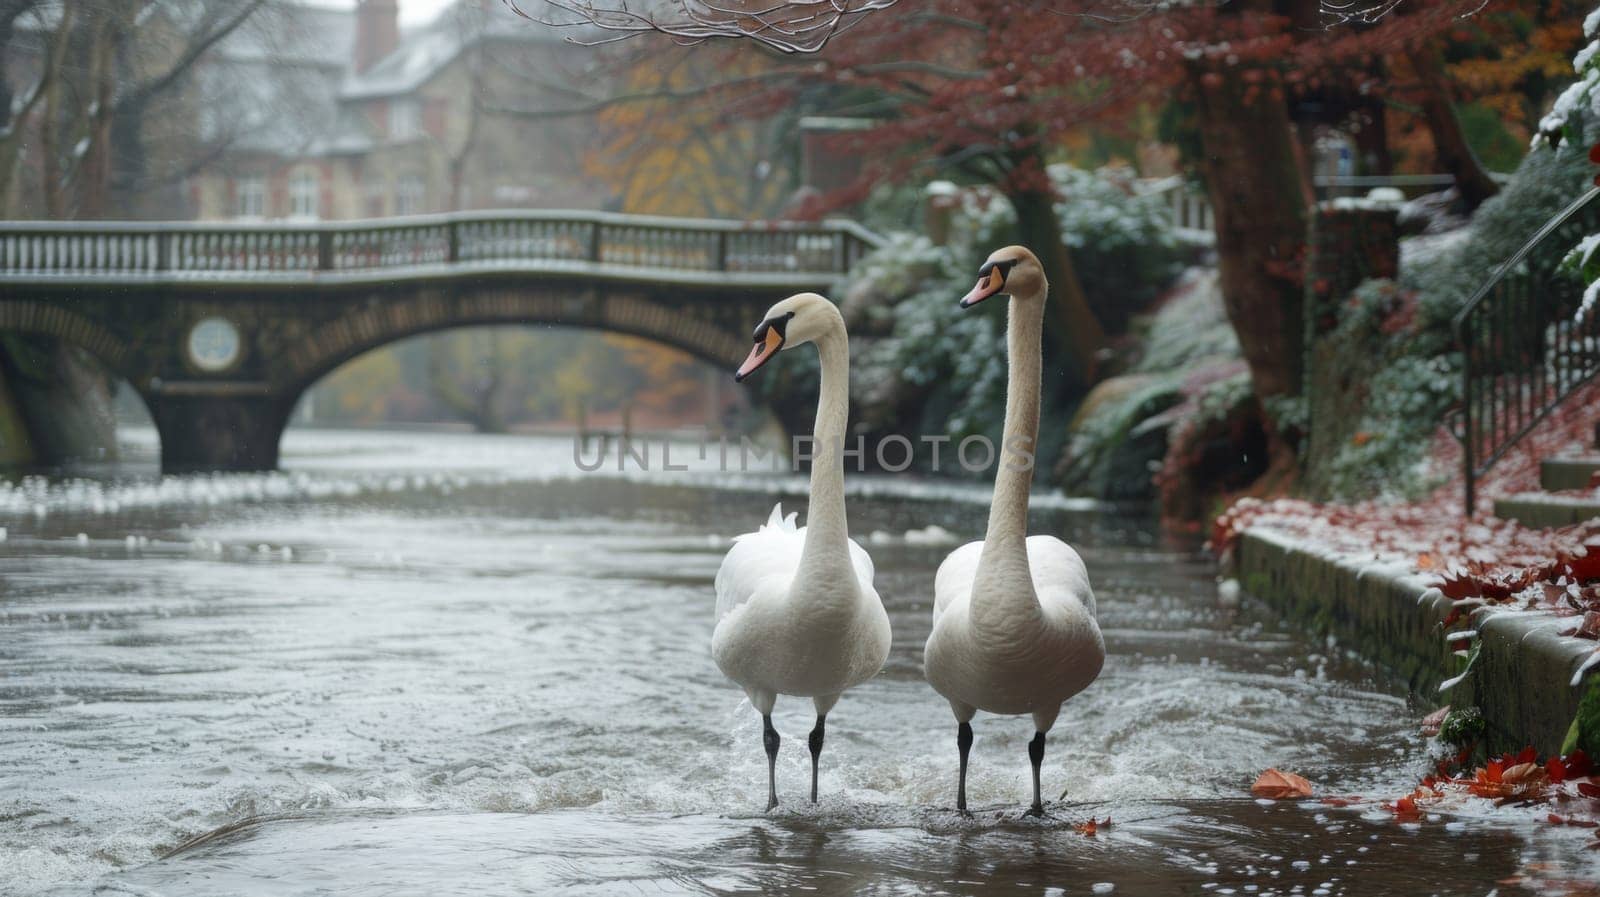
1450,147
1258,197
480,407
1073,336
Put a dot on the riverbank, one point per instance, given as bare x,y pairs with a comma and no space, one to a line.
1519,665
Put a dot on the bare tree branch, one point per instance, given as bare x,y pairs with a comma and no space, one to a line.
798,26
191,54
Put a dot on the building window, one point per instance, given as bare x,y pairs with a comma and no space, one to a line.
377,195
408,195
304,191
405,119
250,197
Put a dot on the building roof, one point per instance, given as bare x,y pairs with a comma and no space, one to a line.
426,49
280,83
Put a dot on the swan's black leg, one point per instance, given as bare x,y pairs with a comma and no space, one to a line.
964,745
1036,757
816,751
769,737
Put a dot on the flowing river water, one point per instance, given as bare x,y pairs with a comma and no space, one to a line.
445,664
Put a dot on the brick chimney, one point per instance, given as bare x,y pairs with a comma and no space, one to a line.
377,31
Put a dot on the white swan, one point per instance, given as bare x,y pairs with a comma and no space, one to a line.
1014,626
796,610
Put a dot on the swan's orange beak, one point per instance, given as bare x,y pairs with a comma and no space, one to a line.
991,280
768,341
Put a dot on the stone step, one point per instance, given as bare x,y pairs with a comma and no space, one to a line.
1560,474
1540,510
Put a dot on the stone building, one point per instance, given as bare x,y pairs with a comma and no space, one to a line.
337,114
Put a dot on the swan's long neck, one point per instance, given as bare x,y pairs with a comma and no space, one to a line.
1003,576
826,556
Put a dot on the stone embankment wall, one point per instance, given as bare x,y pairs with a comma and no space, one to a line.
1521,679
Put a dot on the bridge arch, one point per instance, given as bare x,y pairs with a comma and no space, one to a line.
115,357
52,319
364,327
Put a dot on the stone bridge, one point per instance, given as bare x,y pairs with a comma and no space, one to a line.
221,327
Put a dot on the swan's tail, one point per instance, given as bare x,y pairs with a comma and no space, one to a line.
778,521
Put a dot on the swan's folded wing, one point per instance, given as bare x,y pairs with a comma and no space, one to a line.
955,576
1058,569
773,549
860,560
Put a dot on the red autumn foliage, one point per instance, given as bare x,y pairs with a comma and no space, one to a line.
1562,783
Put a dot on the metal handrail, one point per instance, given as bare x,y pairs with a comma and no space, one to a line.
1527,342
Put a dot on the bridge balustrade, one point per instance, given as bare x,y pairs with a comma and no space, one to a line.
36,250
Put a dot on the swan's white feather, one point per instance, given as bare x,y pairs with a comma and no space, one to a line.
1054,564
773,645
772,550
1027,665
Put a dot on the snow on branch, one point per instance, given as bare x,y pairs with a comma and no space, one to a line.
799,26
1367,12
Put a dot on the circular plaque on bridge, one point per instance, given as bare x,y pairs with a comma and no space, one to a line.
214,344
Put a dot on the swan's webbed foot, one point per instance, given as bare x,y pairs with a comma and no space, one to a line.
769,737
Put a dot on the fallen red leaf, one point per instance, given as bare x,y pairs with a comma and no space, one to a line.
1276,784
1590,627
1556,770
1089,828
1585,566
1577,764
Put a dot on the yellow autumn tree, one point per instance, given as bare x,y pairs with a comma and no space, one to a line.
673,144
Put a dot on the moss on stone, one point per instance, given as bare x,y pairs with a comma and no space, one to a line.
1585,730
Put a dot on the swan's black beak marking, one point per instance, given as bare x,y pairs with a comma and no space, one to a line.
769,338
991,280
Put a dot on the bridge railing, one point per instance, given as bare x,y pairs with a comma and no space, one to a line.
32,250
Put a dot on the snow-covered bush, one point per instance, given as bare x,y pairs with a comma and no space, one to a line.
1581,100
921,361
1188,366
1122,242
1401,364
930,346
1565,124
